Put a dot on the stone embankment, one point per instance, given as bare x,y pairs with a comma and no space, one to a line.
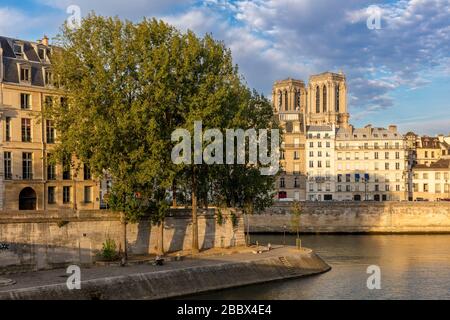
355,217
174,279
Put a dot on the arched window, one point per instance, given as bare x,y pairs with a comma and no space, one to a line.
286,101
337,98
317,99
280,99
297,99
324,99
27,199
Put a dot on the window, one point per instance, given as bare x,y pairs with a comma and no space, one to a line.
26,130
415,187
66,170
397,187
328,144
337,98
347,177
25,74
27,166
386,187
311,154
328,164
425,187
446,175
357,177
64,102
87,194
386,166
377,187
397,155
51,195
376,167
296,156
426,154
296,183
7,164
324,98
446,187
319,164
50,131
397,166
425,176
8,129
48,101
66,194
347,156
437,188
386,155
25,100
282,183
48,78
319,153
18,49
311,164
311,144
432,154
86,172
311,187
376,155
347,188
437,176
41,53
339,188
51,170
317,99
339,177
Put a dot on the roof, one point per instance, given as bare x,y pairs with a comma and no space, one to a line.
430,142
367,133
440,164
11,62
319,128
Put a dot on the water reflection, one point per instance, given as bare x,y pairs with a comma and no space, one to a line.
412,267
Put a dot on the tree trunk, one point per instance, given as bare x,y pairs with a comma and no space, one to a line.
161,239
195,249
124,234
174,194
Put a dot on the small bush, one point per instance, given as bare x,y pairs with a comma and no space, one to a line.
219,217
109,250
234,219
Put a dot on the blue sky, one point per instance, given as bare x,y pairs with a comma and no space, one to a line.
397,74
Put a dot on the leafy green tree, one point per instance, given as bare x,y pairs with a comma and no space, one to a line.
117,81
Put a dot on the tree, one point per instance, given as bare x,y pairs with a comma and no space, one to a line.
296,211
117,82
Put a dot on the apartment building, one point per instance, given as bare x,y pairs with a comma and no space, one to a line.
320,159
27,180
432,182
371,164
428,150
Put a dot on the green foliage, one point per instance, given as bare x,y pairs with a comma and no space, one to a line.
109,251
220,218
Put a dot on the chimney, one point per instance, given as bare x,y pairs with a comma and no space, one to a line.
45,40
393,128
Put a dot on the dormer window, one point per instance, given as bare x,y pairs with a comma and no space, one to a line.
25,73
42,53
18,49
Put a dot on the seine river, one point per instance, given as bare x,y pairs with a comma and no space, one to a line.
412,267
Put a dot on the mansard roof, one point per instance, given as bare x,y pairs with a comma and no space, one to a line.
30,57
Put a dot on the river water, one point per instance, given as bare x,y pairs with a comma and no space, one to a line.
412,267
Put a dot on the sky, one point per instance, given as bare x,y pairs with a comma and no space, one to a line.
398,70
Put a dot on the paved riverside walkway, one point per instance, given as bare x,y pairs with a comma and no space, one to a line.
206,258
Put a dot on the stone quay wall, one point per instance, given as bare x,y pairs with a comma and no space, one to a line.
356,217
36,240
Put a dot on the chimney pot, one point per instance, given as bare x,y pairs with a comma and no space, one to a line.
45,40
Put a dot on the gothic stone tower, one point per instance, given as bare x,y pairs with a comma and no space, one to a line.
327,100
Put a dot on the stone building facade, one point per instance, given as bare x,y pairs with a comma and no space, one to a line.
431,182
296,105
371,164
27,181
320,162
